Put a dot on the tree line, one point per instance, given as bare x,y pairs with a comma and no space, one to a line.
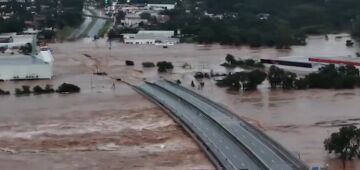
58,14
48,89
276,23
327,77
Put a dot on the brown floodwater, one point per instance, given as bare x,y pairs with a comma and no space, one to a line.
95,118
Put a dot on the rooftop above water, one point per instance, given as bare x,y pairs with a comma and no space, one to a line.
20,60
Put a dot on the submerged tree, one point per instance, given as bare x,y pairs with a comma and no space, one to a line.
344,143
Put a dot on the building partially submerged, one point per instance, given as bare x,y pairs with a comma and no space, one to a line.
18,66
160,7
151,37
305,65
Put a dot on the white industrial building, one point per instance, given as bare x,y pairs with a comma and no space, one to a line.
151,37
38,65
160,6
133,20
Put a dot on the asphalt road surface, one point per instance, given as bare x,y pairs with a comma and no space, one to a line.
234,143
99,23
228,152
94,30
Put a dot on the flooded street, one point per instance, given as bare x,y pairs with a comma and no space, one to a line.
106,128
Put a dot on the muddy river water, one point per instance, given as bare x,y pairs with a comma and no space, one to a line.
100,125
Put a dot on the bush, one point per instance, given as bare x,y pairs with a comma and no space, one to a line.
68,88
148,64
18,91
49,89
230,59
129,63
24,91
163,66
39,90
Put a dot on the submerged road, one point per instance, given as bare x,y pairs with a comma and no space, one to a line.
230,142
99,23
77,33
90,26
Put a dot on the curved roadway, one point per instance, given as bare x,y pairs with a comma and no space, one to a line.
235,143
227,151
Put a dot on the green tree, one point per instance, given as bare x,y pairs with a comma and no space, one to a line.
120,16
230,59
344,143
288,81
275,76
284,36
206,35
163,66
246,80
68,88
255,78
